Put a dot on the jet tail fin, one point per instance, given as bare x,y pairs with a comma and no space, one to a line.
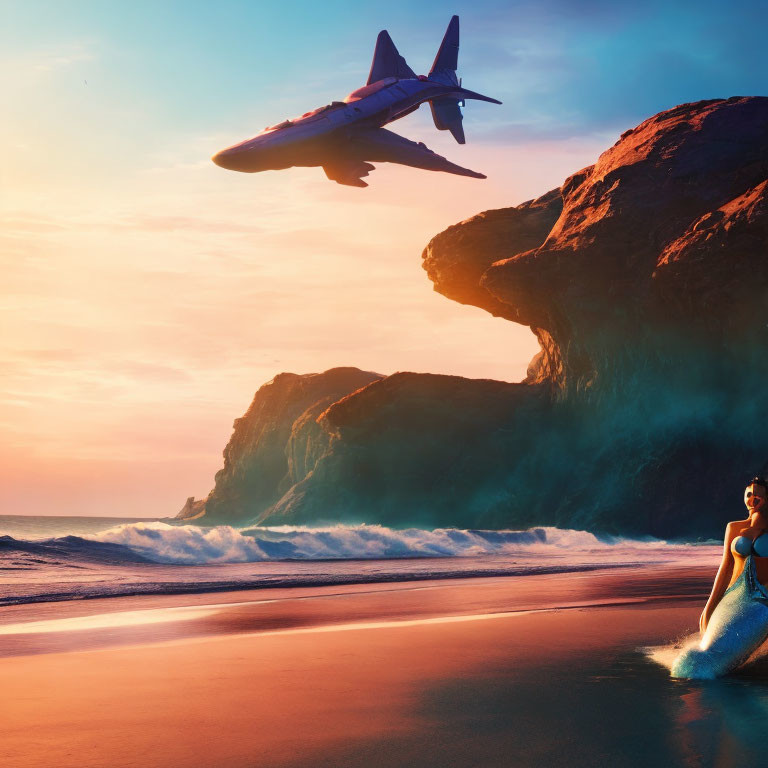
447,59
447,116
387,61
446,113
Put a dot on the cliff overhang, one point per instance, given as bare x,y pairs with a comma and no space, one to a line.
644,278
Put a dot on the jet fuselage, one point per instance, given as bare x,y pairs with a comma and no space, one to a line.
311,140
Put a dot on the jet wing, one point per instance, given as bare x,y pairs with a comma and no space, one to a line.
387,62
383,146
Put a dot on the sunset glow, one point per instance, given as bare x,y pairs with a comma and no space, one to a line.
147,294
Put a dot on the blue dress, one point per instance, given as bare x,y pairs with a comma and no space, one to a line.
739,623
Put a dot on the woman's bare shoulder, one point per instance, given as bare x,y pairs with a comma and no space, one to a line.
736,527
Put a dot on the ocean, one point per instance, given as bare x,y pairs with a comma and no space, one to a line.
49,558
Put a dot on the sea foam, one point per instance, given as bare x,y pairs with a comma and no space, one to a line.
187,544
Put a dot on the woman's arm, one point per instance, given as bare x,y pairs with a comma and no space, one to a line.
722,579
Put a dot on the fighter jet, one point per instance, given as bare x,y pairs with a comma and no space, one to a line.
345,137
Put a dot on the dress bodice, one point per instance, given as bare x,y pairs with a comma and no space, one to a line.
744,546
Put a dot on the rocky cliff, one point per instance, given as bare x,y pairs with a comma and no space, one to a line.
275,444
645,279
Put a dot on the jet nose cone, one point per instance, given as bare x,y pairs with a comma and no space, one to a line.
238,158
223,159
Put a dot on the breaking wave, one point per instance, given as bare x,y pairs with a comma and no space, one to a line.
154,557
186,544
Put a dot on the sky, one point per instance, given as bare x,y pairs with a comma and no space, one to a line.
147,294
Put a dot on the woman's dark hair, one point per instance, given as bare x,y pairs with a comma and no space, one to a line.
761,481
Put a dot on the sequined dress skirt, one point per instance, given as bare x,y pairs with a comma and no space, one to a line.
736,629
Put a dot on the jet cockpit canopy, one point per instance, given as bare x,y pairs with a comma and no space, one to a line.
291,121
367,90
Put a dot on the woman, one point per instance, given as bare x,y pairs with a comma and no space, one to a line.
734,622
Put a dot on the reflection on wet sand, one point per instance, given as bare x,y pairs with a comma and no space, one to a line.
722,722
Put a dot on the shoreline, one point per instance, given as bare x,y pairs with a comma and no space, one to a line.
49,627
296,582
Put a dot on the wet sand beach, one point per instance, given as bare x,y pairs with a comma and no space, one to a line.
519,671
